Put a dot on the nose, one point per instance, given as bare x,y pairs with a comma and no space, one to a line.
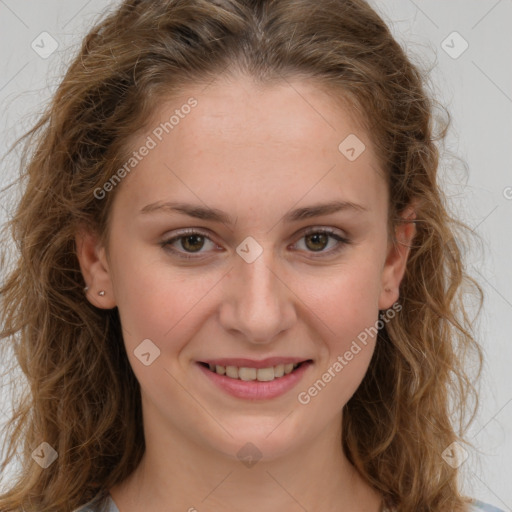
258,302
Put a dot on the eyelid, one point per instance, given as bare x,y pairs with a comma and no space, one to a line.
321,229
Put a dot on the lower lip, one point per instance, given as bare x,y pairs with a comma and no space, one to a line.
254,389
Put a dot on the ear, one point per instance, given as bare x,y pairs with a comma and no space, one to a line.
396,260
92,258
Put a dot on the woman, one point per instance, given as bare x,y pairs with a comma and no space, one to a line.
302,359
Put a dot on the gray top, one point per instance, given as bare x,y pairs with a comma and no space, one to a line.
110,506
96,506
477,506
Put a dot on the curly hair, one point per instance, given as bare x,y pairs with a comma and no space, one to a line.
78,392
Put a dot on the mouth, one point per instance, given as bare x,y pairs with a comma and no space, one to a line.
255,371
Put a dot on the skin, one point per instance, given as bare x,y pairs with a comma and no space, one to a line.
255,153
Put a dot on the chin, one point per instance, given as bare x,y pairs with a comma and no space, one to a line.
257,441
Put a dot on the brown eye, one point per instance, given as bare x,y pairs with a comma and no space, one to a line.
188,243
318,241
192,243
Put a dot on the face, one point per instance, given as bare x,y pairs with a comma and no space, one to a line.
271,284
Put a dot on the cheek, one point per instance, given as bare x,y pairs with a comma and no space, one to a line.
148,298
159,302
348,315
345,299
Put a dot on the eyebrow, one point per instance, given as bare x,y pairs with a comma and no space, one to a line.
213,214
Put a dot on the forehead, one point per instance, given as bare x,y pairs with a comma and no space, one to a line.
245,113
248,139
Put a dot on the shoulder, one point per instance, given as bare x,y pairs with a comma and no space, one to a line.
480,506
100,504
106,504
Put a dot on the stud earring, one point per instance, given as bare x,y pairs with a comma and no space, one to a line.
86,289
101,293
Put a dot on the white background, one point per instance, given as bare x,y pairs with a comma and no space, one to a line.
476,87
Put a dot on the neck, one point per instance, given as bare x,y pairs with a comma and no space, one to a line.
197,478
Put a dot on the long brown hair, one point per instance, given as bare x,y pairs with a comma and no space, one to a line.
79,393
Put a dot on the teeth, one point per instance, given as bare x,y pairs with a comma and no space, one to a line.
279,370
247,373
265,374
288,368
232,371
259,374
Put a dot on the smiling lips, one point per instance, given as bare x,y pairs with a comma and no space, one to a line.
266,370
255,380
260,374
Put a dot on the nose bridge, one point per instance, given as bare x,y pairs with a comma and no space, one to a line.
260,303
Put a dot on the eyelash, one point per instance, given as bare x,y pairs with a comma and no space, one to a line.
165,244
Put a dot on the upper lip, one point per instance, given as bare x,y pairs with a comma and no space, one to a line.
252,363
